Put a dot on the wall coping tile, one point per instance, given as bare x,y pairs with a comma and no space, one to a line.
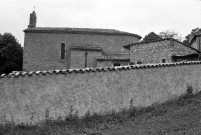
97,69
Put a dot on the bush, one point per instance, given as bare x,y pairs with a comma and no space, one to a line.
132,112
189,89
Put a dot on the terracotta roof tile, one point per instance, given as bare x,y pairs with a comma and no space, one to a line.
98,69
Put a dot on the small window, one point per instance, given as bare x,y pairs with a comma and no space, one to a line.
63,51
116,64
163,60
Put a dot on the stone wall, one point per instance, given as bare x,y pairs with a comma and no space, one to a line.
78,58
42,50
196,43
110,63
28,96
154,52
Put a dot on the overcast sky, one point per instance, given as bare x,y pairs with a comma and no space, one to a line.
135,16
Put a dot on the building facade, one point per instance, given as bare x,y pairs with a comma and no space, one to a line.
161,51
195,41
60,48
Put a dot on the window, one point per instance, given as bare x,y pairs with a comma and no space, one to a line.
163,60
199,44
63,51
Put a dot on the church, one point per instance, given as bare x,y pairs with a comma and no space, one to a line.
51,48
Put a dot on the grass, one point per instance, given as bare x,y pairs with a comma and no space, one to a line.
178,116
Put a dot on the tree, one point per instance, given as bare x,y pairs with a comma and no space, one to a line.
11,54
170,34
196,31
151,37
193,32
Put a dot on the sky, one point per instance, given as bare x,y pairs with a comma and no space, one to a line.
135,16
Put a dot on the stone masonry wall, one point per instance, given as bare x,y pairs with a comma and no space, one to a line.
154,52
27,97
195,44
110,63
78,59
42,50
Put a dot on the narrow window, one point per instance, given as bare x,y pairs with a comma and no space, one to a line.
163,60
199,45
62,51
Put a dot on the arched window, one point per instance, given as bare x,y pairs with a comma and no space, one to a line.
63,54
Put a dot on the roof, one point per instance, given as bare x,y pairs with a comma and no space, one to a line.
98,69
114,56
126,46
67,30
86,48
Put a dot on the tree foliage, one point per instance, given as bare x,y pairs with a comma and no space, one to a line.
196,31
170,34
151,37
193,32
11,54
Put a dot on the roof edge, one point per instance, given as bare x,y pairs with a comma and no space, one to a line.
32,30
125,46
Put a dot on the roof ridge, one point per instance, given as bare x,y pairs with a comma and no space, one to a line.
152,41
185,45
80,31
97,69
76,28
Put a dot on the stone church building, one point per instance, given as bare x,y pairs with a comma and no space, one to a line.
53,48
50,48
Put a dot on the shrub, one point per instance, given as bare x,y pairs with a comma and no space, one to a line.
132,111
189,89
72,119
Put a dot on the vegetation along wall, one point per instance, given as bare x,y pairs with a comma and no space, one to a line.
29,96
